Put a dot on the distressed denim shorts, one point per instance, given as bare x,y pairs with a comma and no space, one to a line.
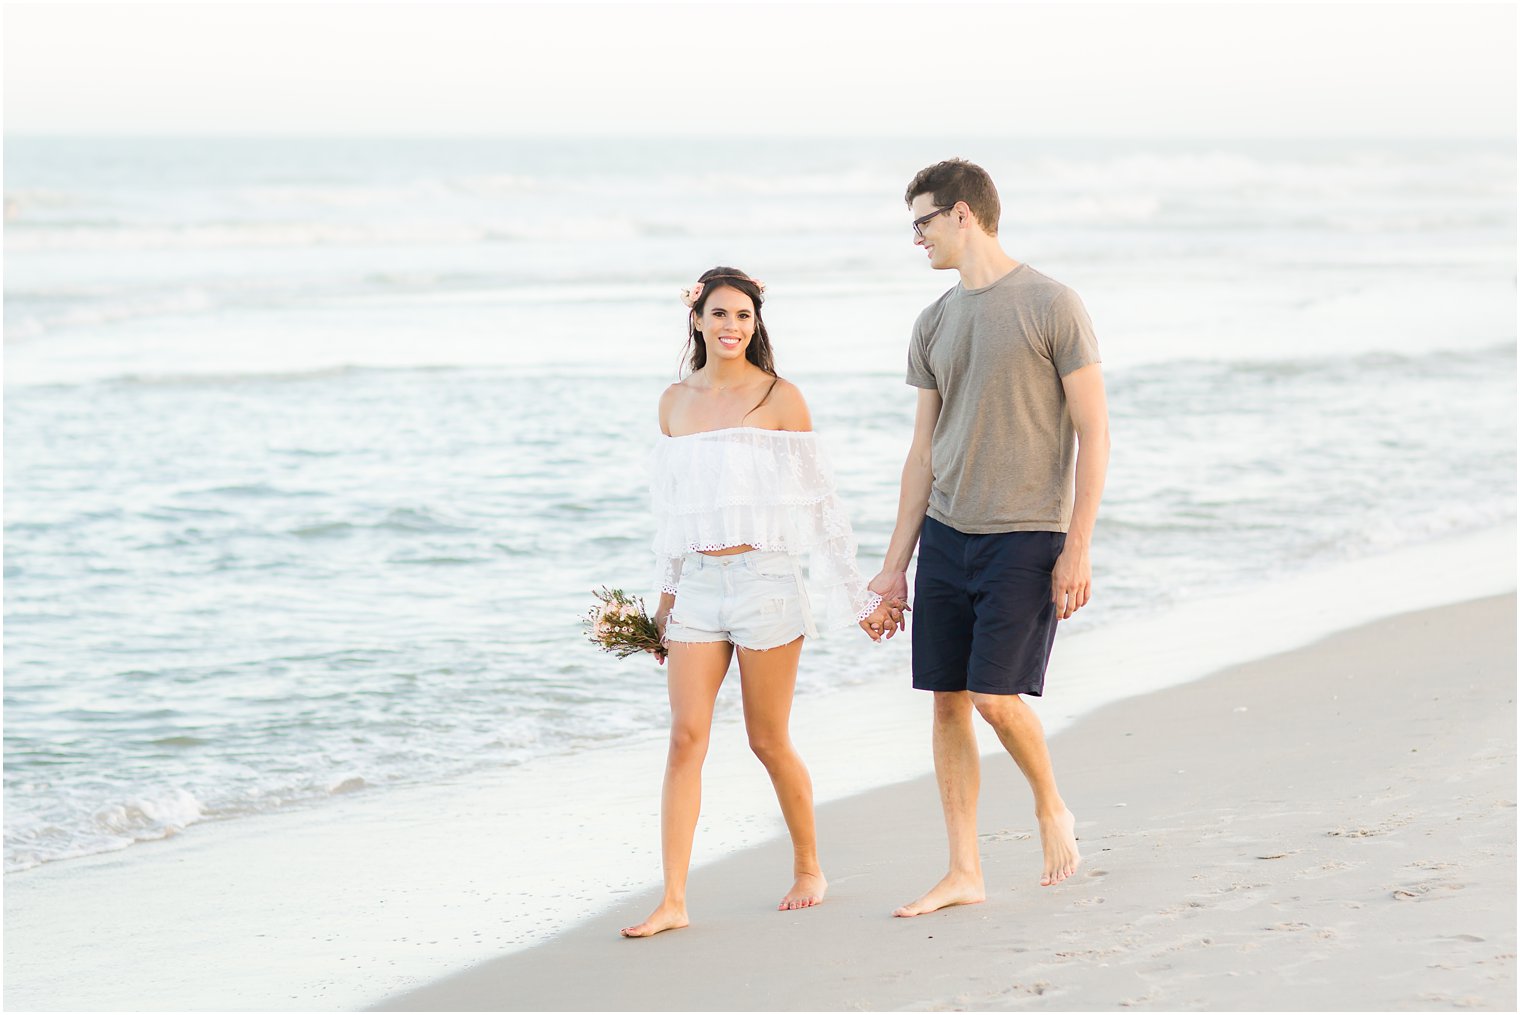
755,599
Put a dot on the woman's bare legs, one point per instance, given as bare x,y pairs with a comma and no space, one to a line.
769,678
696,673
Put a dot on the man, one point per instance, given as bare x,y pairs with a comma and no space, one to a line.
999,493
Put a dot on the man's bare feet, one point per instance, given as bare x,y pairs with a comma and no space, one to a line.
954,889
1058,836
808,890
667,916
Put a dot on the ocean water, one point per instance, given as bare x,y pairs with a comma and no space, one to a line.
315,449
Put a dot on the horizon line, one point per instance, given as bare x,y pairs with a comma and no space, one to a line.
644,135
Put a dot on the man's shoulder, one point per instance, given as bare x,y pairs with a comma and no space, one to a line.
930,315
1034,287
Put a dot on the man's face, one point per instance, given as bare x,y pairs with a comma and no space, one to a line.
938,234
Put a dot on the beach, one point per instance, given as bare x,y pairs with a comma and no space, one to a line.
316,447
1332,828
329,404
304,501
1341,768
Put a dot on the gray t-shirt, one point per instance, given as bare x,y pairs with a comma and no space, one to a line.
1004,448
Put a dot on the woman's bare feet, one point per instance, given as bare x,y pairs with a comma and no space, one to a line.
1058,836
667,916
954,889
808,890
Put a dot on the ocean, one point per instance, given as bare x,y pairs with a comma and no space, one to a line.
315,449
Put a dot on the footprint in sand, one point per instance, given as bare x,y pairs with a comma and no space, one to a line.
1432,865
1234,898
1005,836
1137,1002
1324,870
1444,1001
1388,825
1422,890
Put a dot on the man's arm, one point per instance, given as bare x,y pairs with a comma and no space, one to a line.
912,502
1071,580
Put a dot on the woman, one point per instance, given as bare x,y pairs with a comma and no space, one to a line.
741,492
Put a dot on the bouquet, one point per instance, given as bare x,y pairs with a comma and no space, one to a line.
618,624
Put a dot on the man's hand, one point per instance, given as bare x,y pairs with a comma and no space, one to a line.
889,617
890,585
1071,580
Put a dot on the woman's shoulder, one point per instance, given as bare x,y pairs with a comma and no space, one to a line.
680,390
670,398
786,389
789,406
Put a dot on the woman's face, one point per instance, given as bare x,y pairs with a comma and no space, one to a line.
727,323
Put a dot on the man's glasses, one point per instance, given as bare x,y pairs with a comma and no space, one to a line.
919,223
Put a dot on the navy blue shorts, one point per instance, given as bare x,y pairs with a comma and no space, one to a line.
983,619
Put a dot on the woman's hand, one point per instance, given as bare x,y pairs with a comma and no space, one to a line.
661,619
886,620
877,623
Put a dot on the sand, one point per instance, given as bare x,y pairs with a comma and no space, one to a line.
1330,828
371,894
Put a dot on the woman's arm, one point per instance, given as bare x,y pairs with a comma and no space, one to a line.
667,599
662,612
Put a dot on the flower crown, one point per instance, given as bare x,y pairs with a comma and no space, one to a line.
692,295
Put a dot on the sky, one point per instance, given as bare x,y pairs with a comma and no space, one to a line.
726,70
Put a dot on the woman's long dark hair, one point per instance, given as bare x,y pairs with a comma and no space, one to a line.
759,351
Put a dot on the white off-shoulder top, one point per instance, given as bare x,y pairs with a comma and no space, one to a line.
771,489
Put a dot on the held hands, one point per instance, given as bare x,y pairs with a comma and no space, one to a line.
890,616
1071,581
887,619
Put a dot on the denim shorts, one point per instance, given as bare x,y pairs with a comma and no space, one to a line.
754,599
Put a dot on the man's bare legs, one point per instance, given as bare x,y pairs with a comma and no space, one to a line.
957,767
1023,737
768,679
696,673
956,764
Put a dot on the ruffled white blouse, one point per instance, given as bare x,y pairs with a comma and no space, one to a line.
771,489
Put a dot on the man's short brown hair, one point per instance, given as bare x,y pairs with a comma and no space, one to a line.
958,180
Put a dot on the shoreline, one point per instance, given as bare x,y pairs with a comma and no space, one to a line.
1281,835
367,897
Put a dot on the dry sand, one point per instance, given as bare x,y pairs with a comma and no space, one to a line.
1333,828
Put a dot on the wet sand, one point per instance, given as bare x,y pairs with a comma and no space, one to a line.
1331,828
